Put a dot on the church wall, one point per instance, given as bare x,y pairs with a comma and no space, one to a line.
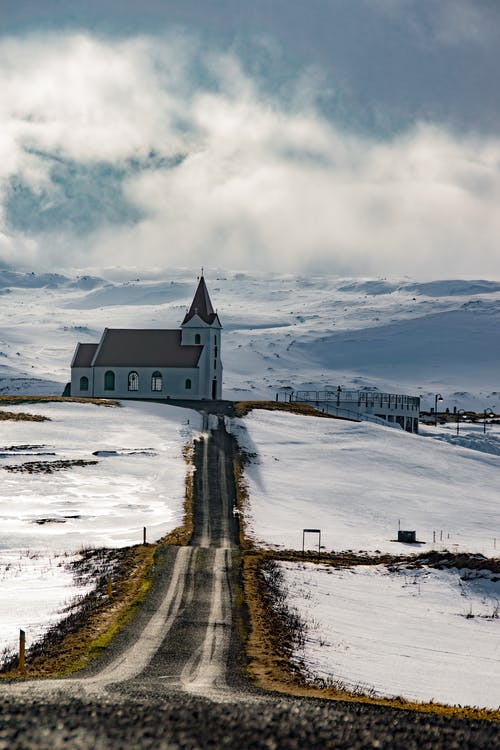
173,383
77,373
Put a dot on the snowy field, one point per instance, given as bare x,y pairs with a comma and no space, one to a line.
421,634
354,481
402,336
357,481
139,481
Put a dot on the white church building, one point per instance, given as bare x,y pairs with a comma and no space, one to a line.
155,363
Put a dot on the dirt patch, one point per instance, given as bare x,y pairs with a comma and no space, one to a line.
459,560
20,416
48,467
54,519
242,408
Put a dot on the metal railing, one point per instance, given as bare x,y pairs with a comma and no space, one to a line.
359,399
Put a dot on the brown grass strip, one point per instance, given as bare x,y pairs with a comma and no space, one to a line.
21,416
242,408
14,400
242,500
269,661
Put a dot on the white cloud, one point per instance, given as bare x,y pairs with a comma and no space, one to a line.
264,183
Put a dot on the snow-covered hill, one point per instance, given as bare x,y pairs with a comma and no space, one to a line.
419,632
279,330
358,481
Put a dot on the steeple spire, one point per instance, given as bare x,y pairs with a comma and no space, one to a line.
201,304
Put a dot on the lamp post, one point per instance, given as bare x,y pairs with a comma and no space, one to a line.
437,398
459,412
339,391
487,412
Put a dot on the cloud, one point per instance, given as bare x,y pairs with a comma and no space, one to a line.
160,151
445,22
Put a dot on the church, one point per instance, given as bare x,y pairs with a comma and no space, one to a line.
155,363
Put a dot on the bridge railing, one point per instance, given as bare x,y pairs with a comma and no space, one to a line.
358,399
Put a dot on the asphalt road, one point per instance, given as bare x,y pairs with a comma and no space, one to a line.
175,678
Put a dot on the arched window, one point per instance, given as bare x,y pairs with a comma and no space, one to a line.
84,383
109,381
156,381
197,339
187,385
215,340
133,381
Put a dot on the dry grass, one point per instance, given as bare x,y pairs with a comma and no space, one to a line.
268,650
242,500
74,642
21,416
15,400
242,408
48,467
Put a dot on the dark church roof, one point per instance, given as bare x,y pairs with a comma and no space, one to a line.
84,355
132,347
201,305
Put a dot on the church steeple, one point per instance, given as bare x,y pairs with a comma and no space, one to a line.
201,305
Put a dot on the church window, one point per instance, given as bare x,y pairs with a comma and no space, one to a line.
133,381
109,381
188,384
197,339
156,381
84,383
215,352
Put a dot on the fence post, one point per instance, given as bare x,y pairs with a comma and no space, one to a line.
144,535
22,651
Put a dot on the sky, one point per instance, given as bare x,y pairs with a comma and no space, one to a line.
358,137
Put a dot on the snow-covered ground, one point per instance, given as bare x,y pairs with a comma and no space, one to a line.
358,481
421,634
354,481
279,331
395,633
35,586
139,481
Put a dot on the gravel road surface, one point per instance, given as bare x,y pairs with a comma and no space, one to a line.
174,678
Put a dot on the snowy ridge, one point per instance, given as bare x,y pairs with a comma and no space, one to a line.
299,332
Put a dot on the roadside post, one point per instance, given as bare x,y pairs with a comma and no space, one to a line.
311,531
22,651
